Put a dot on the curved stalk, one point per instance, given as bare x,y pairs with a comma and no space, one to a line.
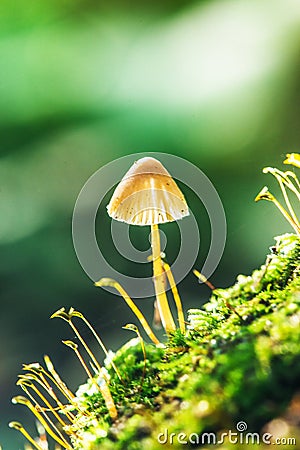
158,279
18,426
131,304
176,296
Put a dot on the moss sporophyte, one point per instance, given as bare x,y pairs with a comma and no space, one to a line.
237,358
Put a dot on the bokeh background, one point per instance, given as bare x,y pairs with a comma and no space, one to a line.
83,82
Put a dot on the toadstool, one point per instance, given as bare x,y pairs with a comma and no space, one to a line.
148,195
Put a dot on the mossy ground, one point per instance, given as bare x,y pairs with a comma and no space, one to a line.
239,361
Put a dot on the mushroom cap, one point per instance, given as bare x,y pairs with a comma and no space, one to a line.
147,195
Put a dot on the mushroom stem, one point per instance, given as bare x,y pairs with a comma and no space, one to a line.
158,278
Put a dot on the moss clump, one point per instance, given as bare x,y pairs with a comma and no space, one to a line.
239,361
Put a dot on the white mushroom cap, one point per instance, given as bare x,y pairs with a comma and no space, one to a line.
147,195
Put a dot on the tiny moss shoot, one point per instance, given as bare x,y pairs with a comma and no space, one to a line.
19,427
172,283
235,359
285,180
131,304
135,329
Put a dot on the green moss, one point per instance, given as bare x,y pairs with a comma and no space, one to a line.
240,360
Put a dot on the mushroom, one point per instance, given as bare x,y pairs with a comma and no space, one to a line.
148,195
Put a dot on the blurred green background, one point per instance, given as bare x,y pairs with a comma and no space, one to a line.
85,82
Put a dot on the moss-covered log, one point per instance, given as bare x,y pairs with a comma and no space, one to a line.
238,366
